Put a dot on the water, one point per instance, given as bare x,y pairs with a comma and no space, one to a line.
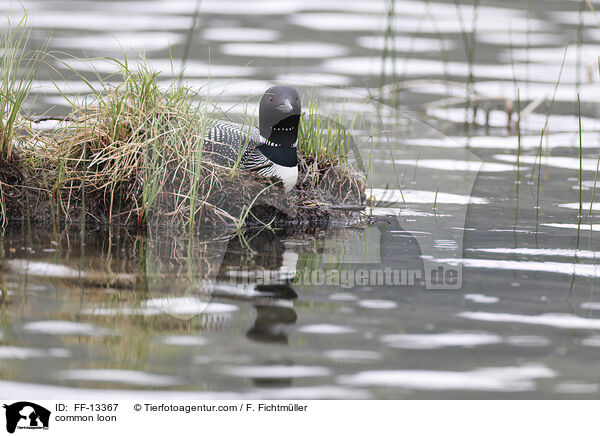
117,315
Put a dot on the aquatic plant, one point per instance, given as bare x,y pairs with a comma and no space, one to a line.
17,72
469,42
324,137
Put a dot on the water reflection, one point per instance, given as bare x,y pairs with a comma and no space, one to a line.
271,324
273,301
110,315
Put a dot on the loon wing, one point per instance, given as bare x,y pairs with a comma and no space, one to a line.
226,140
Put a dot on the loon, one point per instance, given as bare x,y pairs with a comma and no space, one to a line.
270,149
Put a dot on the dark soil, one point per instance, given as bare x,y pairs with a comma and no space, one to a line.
12,178
326,194
21,196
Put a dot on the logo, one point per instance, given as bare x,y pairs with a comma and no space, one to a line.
26,415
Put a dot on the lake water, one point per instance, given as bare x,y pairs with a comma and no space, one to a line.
477,279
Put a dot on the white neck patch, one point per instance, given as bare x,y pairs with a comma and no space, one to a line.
288,175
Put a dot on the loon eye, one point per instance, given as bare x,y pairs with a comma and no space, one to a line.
270,99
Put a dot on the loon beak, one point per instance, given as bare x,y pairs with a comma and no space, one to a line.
285,107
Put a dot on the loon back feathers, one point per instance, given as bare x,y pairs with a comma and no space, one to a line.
226,140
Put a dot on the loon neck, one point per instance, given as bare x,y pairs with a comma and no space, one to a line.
283,133
280,154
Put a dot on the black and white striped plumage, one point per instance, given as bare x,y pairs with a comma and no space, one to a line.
270,150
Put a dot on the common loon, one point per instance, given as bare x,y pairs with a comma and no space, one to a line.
269,150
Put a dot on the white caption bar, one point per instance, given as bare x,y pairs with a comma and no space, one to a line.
164,417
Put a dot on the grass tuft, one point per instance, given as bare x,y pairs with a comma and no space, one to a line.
17,72
324,139
135,146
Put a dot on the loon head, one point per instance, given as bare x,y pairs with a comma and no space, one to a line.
279,115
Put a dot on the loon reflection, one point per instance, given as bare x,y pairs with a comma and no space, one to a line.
272,319
274,309
265,280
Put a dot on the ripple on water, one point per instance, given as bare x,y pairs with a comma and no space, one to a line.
414,67
480,298
341,296
117,42
532,122
182,340
36,268
440,340
577,269
444,23
517,39
591,305
189,305
277,371
576,387
584,206
137,378
70,87
23,353
237,34
314,79
105,21
558,320
325,329
562,252
552,55
503,379
528,341
352,355
563,93
193,68
416,196
406,212
56,327
451,165
406,43
377,304
46,269
242,7
226,88
593,227
591,341
567,139
300,50
173,305
181,7
569,163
